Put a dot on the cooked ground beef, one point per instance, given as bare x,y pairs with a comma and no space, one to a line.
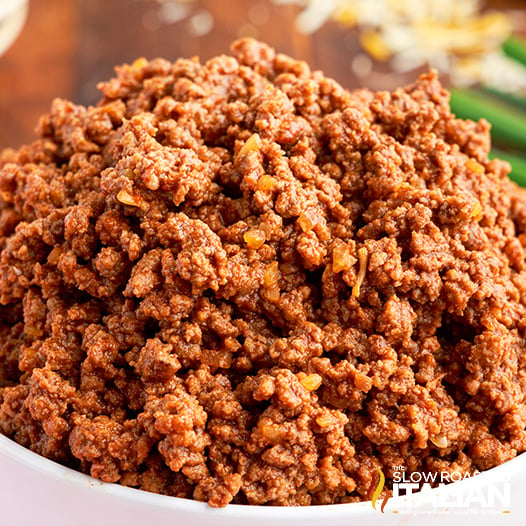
238,282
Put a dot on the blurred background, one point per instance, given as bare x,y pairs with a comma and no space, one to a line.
65,47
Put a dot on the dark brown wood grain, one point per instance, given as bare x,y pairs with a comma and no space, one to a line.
68,46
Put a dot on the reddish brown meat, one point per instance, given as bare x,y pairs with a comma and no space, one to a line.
238,282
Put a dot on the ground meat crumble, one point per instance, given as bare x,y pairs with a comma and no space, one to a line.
238,282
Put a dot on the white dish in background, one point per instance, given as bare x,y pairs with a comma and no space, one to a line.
13,14
34,490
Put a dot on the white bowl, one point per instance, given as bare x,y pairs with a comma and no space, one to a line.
13,14
34,490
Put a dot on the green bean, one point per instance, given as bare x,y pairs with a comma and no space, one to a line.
515,48
517,162
511,99
508,126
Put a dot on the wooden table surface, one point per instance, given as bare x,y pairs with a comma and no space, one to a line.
67,46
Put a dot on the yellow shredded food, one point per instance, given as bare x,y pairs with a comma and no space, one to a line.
362,260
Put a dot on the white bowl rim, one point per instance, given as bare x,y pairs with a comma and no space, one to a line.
45,466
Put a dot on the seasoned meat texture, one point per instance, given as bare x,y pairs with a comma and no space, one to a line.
238,282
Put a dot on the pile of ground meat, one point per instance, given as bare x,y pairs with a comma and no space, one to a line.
238,282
